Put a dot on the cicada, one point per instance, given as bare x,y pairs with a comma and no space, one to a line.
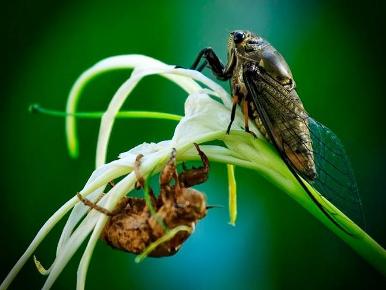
263,85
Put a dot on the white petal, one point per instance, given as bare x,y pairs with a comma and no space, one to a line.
203,115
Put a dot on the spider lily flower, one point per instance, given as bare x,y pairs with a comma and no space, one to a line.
207,115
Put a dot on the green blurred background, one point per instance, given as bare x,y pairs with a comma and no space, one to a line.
336,53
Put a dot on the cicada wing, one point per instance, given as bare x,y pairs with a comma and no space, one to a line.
335,177
299,138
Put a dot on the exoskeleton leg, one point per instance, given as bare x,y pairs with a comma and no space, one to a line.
140,183
191,177
167,174
122,204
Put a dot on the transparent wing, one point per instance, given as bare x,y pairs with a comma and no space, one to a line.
335,178
299,138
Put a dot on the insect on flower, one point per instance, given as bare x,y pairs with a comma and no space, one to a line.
262,83
134,225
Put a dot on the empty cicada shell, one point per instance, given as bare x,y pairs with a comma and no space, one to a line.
132,227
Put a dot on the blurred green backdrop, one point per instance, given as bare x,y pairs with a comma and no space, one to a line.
336,53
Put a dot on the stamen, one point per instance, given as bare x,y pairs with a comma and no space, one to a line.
232,194
36,108
168,236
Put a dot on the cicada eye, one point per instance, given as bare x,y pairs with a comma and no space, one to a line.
238,36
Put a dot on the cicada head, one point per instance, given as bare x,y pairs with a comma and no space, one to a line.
243,41
249,47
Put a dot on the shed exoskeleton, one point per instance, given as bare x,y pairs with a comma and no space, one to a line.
132,227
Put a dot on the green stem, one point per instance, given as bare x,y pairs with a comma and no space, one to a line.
35,108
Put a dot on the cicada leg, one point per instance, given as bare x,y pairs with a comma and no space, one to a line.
235,101
246,118
214,63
